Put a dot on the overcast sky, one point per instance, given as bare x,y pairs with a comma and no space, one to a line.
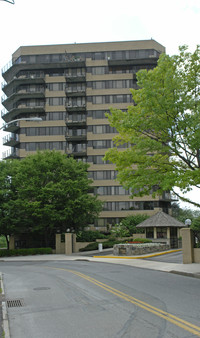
36,22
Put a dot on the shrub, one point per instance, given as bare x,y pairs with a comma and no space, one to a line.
89,236
130,223
142,240
94,246
119,230
25,252
90,247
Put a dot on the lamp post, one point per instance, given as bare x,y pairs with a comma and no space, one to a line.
188,222
10,1
22,119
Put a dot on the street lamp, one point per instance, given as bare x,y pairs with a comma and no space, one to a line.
22,119
188,222
10,1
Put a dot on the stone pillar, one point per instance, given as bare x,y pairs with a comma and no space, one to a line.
187,245
155,233
68,244
58,243
11,242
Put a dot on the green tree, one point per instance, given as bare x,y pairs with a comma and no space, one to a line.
181,214
131,221
196,223
162,129
51,194
7,194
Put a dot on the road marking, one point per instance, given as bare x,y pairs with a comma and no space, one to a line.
194,329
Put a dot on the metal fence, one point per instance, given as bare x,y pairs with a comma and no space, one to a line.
196,234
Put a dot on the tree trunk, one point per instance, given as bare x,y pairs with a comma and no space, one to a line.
7,241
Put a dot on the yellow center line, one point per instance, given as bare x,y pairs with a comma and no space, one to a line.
158,312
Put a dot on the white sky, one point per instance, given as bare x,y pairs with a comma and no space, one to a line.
38,22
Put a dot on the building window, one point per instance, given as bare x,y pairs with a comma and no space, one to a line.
161,232
150,232
56,101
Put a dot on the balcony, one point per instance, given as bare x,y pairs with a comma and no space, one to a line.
22,80
13,68
75,78
75,138
11,140
72,122
8,116
23,94
78,153
71,108
71,93
13,127
167,196
10,154
134,62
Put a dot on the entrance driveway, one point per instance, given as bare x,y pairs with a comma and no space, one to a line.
174,257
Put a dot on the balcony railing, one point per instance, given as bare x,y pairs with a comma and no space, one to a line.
10,140
11,153
12,127
76,108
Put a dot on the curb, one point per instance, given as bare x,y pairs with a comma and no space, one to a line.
5,323
139,257
186,274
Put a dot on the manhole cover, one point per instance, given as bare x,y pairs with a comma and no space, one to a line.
15,303
41,288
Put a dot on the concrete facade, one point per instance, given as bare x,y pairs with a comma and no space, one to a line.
71,87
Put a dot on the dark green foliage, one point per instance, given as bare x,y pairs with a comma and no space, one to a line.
130,223
45,193
89,236
3,243
106,245
142,240
196,224
25,252
181,214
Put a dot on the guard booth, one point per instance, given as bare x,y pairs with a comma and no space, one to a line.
163,228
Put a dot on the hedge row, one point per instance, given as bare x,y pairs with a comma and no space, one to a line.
25,252
110,244
94,246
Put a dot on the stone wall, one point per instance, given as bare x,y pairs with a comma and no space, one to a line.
138,249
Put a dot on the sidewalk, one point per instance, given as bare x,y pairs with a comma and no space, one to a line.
192,270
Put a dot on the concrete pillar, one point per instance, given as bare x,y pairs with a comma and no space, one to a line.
74,243
168,232
68,244
155,233
11,242
187,245
58,243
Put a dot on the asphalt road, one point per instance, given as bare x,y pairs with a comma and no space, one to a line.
174,257
80,299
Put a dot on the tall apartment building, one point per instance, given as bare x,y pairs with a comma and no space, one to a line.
70,87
